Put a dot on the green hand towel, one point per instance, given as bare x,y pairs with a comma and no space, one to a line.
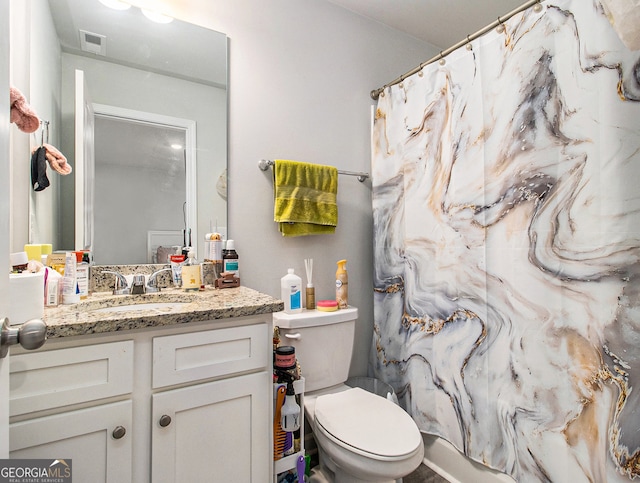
305,198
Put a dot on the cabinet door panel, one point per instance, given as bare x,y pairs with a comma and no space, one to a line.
219,432
85,437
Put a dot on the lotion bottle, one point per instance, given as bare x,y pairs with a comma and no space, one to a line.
342,285
70,291
291,292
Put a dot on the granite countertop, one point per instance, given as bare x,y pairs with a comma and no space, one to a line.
172,307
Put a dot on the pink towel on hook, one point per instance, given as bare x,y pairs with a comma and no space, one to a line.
56,159
21,112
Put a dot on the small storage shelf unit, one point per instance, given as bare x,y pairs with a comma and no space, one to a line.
289,462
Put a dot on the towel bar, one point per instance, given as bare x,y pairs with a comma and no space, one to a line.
264,164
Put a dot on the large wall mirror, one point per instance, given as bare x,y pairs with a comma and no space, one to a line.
142,113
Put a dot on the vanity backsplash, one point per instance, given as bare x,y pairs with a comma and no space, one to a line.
105,282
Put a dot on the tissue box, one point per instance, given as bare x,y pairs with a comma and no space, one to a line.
26,297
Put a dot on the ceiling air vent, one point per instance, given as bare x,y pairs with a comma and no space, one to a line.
94,43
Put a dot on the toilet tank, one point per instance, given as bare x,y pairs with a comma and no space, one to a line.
323,343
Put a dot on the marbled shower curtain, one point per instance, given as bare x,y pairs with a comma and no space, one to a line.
507,242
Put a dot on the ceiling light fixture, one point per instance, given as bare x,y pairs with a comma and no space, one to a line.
115,4
176,146
155,16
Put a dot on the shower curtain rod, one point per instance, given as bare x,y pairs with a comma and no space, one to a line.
376,92
264,164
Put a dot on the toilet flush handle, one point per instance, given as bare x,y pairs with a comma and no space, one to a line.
293,336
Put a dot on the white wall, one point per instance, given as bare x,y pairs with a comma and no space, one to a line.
300,77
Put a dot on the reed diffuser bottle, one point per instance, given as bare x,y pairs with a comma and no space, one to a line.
310,293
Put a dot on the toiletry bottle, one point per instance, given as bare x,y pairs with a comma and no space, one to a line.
290,414
191,273
82,275
176,262
213,252
70,292
342,285
290,289
208,248
310,292
290,418
310,296
230,259
52,287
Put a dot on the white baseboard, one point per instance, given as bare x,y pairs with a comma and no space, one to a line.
443,458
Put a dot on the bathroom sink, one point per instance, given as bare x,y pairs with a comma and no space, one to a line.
164,302
163,307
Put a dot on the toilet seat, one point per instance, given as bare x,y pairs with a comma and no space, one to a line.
367,424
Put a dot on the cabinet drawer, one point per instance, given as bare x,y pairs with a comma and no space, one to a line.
56,378
183,358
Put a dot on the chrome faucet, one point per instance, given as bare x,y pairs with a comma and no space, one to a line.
137,285
120,281
152,283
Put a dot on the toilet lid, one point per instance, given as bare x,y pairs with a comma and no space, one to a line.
367,422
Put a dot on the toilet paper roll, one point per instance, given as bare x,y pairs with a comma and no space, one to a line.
26,297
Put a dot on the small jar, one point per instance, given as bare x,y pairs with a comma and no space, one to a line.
285,358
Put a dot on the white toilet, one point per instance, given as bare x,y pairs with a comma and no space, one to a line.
361,437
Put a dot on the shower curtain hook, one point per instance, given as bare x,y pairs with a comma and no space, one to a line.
469,46
442,61
537,7
500,27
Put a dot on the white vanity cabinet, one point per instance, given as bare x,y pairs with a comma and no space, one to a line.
189,402
95,436
213,431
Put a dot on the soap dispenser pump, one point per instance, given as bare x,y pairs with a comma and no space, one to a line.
191,273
